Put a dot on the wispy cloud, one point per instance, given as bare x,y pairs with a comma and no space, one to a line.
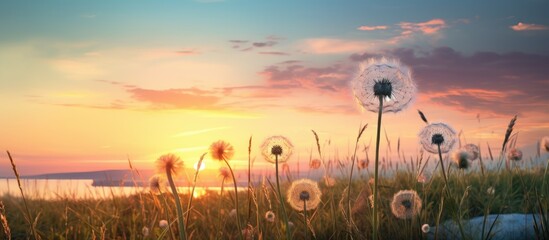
429,27
528,27
190,98
338,46
274,53
373,28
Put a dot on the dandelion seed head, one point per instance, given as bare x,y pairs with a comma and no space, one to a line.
473,150
515,154
329,181
221,150
232,213
169,163
163,224
276,146
436,134
461,159
270,216
406,204
304,190
491,191
315,164
386,78
224,172
157,184
145,231
363,164
425,228
544,144
304,196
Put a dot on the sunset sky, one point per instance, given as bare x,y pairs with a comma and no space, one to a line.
84,85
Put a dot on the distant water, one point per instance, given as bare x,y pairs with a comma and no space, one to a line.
80,189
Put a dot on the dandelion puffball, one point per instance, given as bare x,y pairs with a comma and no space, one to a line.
515,154
386,78
221,150
436,134
461,159
425,228
304,190
270,216
169,163
406,204
276,147
544,144
163,224
473,151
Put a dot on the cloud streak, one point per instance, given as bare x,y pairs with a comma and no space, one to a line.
528,27
372,28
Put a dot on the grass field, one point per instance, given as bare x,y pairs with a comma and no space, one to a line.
478,193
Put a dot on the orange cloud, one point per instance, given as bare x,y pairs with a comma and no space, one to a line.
528,27
372,28
430,27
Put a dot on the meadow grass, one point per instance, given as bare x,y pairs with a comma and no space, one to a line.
515,191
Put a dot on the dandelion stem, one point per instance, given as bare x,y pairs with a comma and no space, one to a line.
182,234
443,171
288,236
235,200
376,180
306,222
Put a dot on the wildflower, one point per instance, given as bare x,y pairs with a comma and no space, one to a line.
314,164
169,163
163,224
145,231
221,150
270,216
406,204
157,184
515,154
491,191
232,213
384,78
304,190
276,146
425,228
473,150
544,144
461,159
436,134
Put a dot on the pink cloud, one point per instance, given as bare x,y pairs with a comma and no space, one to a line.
430,27
334,46
372,28
528,27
